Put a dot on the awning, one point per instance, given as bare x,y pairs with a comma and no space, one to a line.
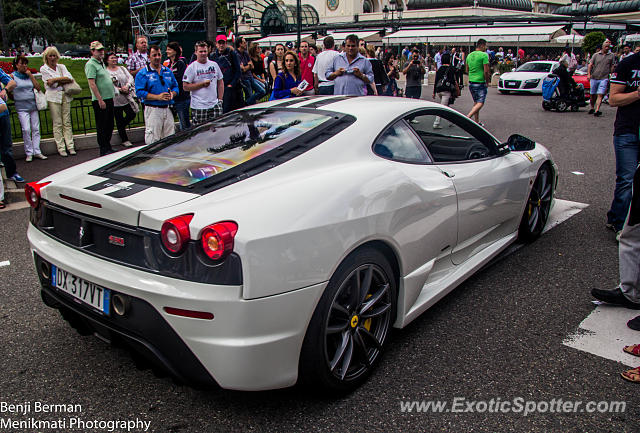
470,35
270,41
632,38
369,36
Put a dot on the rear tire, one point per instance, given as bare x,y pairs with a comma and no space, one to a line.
536,211
546,105
351,323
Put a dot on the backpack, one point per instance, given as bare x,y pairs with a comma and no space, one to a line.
445,83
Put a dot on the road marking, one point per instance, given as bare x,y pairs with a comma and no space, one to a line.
578,173
5,263
562,211
604,333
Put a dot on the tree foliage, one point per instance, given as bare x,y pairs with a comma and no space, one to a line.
592,42
64,30
224,17
25,30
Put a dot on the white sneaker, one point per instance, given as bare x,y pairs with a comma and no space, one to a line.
40,156
127,144
72,152
62,152
29,158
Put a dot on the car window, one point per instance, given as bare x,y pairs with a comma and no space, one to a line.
219,146
400,143
447,140
535,67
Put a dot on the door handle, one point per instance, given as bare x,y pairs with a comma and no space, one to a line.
449,175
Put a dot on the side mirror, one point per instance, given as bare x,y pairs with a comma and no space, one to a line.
520,143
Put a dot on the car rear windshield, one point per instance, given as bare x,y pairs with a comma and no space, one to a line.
217,147
535,67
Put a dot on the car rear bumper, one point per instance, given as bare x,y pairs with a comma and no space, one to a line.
248,345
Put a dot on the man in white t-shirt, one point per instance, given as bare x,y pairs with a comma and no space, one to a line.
203,78
323,62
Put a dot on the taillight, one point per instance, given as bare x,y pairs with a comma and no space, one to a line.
32,192
175,233
217,239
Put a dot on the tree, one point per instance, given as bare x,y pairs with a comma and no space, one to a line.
25,30
225,19
592,42
64,31
212,27
120,30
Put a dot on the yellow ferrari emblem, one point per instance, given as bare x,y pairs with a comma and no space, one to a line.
354,321
529,157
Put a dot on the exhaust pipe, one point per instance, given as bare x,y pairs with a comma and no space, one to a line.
120,304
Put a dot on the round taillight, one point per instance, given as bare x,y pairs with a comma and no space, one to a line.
175,233
217,239
32,192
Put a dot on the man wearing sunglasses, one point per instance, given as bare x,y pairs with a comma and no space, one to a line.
156,88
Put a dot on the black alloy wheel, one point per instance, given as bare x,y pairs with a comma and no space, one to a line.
351,323
536,212
562,105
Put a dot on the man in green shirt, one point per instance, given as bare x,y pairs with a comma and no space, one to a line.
102,93
479,76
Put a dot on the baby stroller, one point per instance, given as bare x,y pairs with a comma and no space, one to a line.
553,100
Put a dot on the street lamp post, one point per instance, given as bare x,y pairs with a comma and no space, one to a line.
101,22
234,13
393,8
587,17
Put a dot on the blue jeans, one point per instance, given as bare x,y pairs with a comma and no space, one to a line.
627,150
253,90
6,145
182,110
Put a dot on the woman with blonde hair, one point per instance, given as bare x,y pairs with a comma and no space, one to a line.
55,76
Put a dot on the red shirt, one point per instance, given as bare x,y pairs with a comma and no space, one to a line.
306,66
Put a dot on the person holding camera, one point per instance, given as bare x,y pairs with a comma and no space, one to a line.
414,71
350,71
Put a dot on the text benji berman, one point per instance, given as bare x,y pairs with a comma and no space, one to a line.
38,407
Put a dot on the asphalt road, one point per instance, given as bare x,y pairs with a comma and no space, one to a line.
499,335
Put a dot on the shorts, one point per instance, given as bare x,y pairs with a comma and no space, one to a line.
200,116
478,92
598,87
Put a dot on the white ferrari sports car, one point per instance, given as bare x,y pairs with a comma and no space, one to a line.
281,242
527,78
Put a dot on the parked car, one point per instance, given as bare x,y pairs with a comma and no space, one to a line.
580,77
78,53
281,242
527,78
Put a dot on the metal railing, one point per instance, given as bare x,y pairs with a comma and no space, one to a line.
82,119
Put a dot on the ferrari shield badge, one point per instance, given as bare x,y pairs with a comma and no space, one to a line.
529,157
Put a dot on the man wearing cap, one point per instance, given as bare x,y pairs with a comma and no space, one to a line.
156,87
227,60
203,78
102,94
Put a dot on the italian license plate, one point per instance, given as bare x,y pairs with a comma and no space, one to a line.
83,290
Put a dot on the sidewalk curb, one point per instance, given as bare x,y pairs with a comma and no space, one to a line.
81,141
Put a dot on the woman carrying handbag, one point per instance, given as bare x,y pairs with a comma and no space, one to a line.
55,76
27,108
